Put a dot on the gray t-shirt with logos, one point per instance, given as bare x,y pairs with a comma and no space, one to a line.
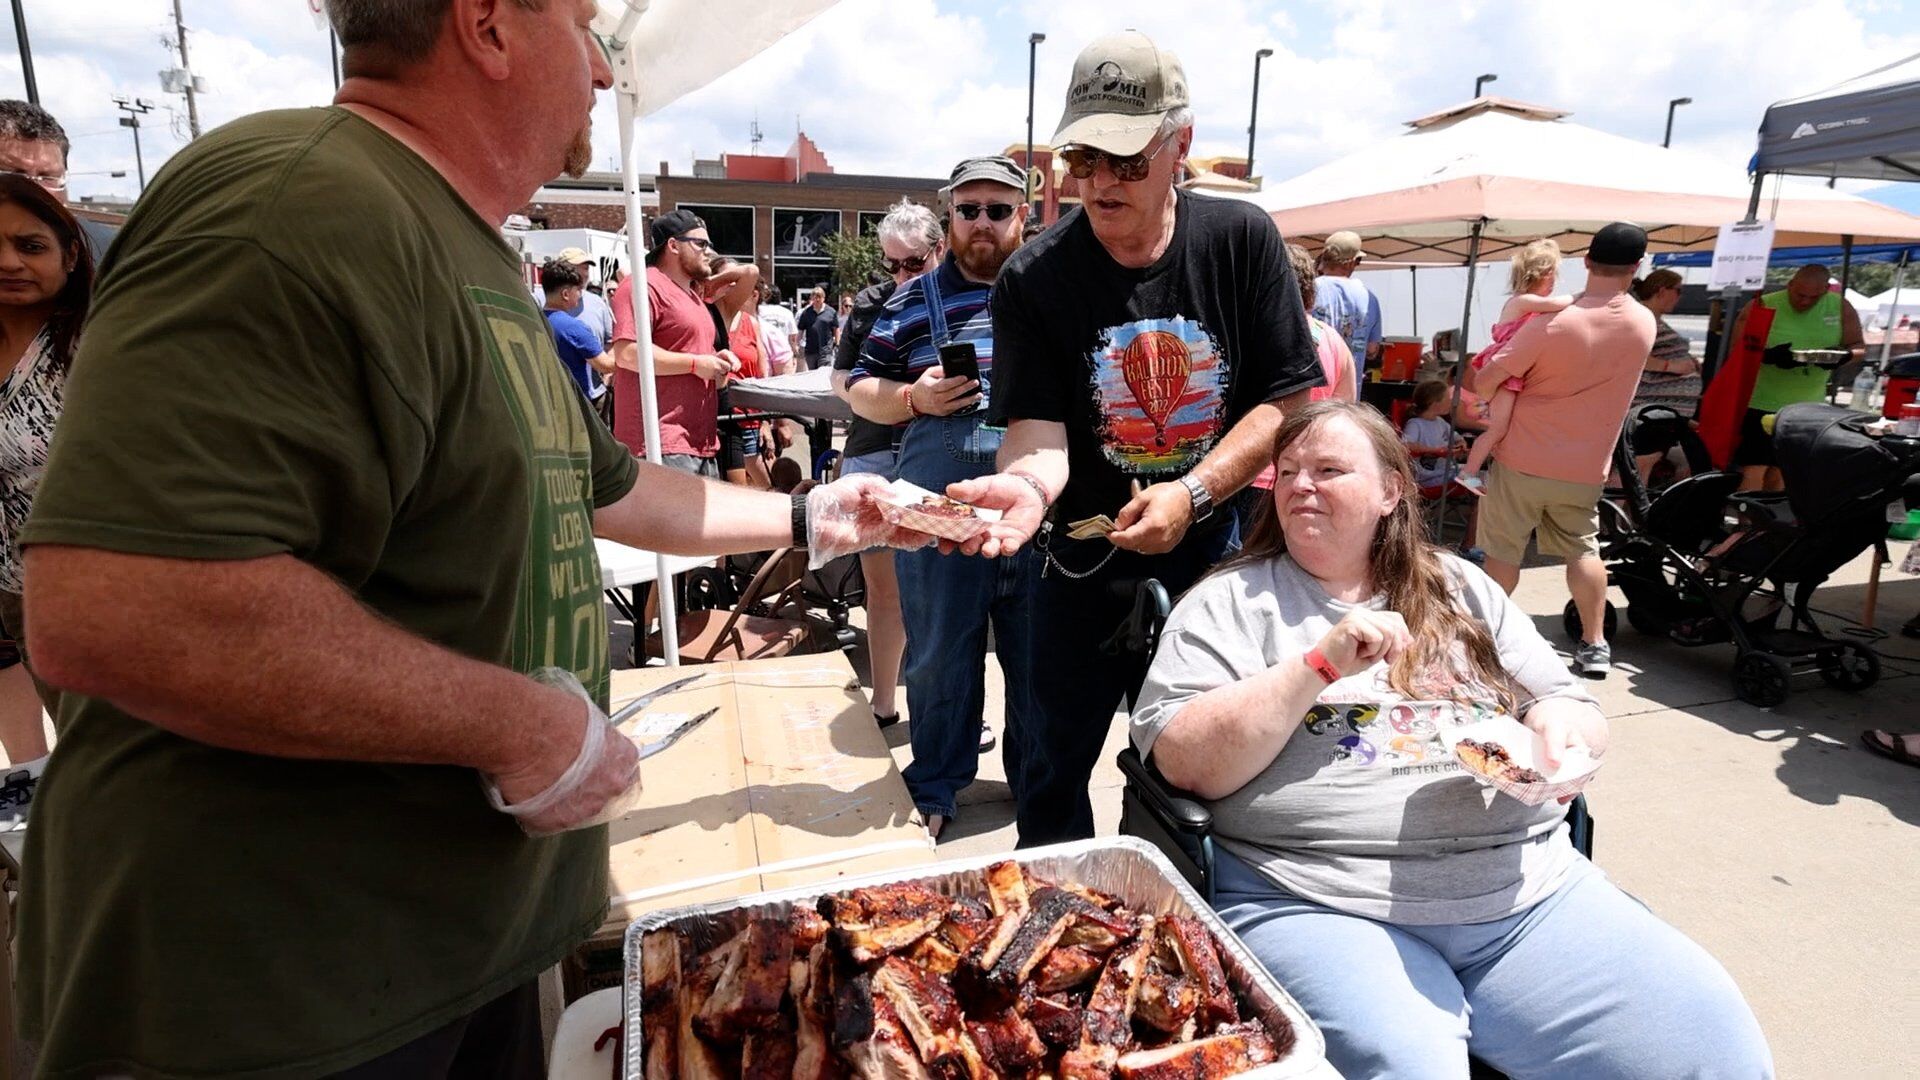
1364,809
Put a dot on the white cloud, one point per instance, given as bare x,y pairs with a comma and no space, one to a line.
909,86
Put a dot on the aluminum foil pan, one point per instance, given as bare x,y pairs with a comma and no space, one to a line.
1122,866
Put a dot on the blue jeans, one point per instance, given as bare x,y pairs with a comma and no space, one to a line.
1586,983
948,603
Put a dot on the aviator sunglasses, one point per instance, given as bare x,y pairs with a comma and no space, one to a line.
1084,161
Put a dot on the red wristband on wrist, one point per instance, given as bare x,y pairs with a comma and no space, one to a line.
1318,662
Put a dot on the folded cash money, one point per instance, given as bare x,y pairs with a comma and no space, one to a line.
1089,528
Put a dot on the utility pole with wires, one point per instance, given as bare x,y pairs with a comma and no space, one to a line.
26,52
181,80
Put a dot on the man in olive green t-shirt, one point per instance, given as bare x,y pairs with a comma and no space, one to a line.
1807,314
293,558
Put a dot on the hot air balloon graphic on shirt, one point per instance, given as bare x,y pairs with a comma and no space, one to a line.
1160,385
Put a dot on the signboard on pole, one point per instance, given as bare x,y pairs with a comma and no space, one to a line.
1740,255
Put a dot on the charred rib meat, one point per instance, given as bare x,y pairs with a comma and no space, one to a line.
1204,1059
872,923
1201,963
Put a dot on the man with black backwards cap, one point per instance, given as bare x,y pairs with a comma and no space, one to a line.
688,367
899,379
1145,349
1580,367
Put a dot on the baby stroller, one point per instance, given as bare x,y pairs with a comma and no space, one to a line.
1700,564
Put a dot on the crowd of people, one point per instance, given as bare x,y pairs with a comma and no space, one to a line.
418,490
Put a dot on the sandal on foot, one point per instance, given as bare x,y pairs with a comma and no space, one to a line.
1893,747
886,720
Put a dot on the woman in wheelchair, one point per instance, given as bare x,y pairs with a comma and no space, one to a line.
1417,915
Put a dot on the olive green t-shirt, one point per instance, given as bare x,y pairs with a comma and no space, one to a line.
305,342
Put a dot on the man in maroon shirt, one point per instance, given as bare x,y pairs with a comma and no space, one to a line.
688,370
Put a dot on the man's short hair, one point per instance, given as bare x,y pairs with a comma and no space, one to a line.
28,122
819,291
403,29
556,275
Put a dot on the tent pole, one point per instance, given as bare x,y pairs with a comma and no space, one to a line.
626,80
1846,261
1730,297
1886,332
1460,364
1413,273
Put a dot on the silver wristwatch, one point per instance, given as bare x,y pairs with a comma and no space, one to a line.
1202,498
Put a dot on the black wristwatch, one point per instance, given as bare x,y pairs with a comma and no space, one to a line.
1202,498
799,519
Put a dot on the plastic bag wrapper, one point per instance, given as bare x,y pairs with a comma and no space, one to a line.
600,751
845,517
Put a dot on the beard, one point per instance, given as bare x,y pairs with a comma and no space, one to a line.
982,261
579,153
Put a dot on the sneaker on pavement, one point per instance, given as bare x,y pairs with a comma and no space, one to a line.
1593,661
16,799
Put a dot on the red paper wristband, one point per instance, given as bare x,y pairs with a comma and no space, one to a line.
1318,662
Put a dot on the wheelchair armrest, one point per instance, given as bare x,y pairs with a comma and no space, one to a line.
1178,809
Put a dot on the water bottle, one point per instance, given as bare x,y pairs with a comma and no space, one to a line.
1863,385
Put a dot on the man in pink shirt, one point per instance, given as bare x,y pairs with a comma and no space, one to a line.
1580,367
688,370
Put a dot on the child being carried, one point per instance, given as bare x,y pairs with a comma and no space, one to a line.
1535,270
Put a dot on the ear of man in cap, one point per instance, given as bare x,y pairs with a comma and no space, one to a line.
1123,87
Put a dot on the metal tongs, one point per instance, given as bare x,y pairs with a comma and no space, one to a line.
632,708
671,737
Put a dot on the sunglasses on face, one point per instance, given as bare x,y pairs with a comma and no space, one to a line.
912,264
996,212
1083,162
696,242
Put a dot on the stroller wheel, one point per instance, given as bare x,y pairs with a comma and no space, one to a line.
1849,667
1761,679
1570,622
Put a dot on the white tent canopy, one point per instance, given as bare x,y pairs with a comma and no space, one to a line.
1523,171
653,47
1888,306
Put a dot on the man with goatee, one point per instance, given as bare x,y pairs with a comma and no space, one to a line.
900,379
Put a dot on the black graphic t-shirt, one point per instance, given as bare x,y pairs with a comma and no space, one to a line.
1148,368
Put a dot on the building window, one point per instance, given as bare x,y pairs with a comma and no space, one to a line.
799,234
870,221
729,228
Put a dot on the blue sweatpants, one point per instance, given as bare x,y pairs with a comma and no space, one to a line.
1585,984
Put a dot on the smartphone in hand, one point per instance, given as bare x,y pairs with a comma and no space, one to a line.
958,359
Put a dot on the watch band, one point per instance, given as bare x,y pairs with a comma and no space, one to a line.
1317,660
1202,498
799,519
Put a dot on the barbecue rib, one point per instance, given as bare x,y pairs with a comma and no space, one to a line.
1065,968
660,953
769,1055
1167,1000
1221,1056
698,1058
1007,888
748,995
1056,1020
1109,1020
886,1053
1037,935
875,922
810,987
1008,1043
927,1009
808,929
1094,927
1201,963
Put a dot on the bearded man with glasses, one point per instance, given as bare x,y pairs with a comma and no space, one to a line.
1147,346
902,376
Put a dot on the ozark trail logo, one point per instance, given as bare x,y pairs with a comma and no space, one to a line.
1803,131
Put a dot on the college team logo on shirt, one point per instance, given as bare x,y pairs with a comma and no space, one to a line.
1160,386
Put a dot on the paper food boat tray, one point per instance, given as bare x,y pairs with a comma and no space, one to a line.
1525,747
901,507
1123,866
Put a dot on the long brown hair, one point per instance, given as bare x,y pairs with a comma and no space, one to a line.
70,303
1405,566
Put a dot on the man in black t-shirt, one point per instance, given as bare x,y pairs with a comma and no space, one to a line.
1145,348
817,324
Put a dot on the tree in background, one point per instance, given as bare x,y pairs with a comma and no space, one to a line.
855,262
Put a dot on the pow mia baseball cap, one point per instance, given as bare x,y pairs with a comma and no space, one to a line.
1000,170
1620,243
1123,87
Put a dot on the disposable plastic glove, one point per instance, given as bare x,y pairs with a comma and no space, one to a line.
602,783
844,517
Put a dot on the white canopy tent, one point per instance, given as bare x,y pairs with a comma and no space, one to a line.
1890,304
639,35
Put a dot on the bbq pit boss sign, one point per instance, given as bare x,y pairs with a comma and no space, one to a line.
1740,255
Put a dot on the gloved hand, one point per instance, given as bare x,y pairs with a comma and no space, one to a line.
1780,356
602,783
844,517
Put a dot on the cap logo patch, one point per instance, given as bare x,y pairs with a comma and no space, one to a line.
1110,85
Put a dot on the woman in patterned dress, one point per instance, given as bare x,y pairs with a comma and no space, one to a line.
46,279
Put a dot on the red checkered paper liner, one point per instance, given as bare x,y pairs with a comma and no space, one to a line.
900,505
1524,745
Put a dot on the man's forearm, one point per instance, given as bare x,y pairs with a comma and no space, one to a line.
877,399
1039,449
604,363
1247,449
626,354
271,656
680,514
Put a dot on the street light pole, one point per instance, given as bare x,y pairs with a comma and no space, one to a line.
1253,118
1033,59
135,109
1672,105
1482,81
26,52
186,66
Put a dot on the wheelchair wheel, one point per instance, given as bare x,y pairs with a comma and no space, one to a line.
1570,621
1850,667
1761,679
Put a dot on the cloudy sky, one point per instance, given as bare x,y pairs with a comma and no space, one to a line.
909,86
